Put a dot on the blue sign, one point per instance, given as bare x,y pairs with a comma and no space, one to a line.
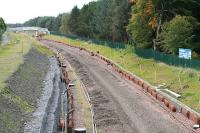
185,53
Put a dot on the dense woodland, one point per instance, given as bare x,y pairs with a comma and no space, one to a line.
2,27
164,25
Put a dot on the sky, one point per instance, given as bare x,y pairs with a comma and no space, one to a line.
19,11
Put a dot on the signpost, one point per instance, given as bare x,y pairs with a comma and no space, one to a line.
185,53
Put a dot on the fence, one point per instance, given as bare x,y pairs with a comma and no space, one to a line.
168,59
116,45
145,53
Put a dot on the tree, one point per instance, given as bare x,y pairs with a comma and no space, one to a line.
103,20
140,32
86,25
2,27
73,22
178,33
57,23
166,10
120,20
64,28
156,13
52,23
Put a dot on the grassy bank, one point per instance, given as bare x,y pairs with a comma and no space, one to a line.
183,81
11,56
17,72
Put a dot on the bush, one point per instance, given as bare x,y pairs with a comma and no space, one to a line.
2,27
178,33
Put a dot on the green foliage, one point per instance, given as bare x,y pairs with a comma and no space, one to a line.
86,24
74,21
104,19
51,23
151,24
2,27
178,33
139,30
64,28
120,20
57,23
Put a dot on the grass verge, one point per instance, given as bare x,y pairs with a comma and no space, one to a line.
11,57
182,81
82,101
21,63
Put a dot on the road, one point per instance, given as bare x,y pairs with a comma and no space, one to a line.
120,106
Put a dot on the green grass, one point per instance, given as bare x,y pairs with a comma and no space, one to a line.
14,110
154,72
7,119
40,48
11,57
82,101
6,92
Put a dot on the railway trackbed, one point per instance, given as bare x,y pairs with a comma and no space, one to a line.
119,106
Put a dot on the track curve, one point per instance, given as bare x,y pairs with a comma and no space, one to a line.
119,106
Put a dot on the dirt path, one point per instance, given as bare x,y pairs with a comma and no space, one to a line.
120,107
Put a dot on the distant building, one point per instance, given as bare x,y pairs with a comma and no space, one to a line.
31,31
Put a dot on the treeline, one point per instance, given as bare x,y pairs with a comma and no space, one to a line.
56,24
2,27
104,19
52,23
164,25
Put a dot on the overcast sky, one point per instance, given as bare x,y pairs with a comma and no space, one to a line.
19,11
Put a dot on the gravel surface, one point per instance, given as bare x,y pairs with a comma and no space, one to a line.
120,107
27,83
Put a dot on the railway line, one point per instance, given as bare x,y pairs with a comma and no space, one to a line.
120,106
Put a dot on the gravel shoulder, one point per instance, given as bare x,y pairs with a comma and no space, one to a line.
25,85
120,107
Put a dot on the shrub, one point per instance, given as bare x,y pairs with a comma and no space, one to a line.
178,33
2,27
